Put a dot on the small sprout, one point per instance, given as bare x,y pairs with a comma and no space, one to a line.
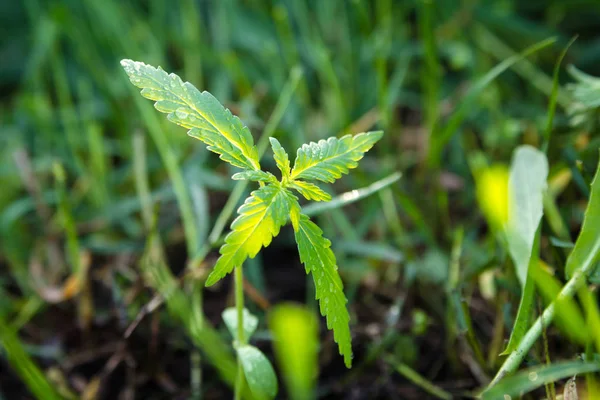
269,207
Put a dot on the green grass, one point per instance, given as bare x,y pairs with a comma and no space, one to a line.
110,215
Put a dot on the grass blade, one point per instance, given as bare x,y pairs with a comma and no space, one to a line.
31,374
583,258
439,140
533,378
351,196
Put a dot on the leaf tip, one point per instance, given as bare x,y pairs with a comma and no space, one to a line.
377,134
211,280
348,360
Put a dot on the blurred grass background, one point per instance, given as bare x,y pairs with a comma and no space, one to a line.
104,204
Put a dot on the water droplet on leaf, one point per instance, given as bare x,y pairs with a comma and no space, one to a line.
181,113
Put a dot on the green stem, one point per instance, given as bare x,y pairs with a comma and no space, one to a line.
516,357
241,339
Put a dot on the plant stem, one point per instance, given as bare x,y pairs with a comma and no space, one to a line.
516,357
241,340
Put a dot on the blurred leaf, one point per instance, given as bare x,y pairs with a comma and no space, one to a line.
25,367
492,194
587,246
375,250
528,175
295,339
568,316
523,317
530,379
441,138
527,181
351,196
586,92
592,314
258,371
433,267
231,321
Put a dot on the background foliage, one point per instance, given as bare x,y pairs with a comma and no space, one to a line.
104,203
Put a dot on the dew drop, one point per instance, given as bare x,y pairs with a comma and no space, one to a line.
533,376
181,113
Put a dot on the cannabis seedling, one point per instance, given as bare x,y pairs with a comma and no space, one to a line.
268,208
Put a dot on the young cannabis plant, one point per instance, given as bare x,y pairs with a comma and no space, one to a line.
268,208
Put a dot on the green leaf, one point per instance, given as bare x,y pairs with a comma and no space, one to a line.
317,257
18,358
198,111
523,315
258,372
260,218
327,160
587,246
568,316
527,182
281,158
257,176
310,191
231,321
532,378
295,332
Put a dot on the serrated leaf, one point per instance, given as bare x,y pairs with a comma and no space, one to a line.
281,158
310,191
318,259
260,218
257,176
198,111
327,160
258,371
230,318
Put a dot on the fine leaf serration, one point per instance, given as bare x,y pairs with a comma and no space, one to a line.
327,160
310,191
260,218
206,119
281,158
319,260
